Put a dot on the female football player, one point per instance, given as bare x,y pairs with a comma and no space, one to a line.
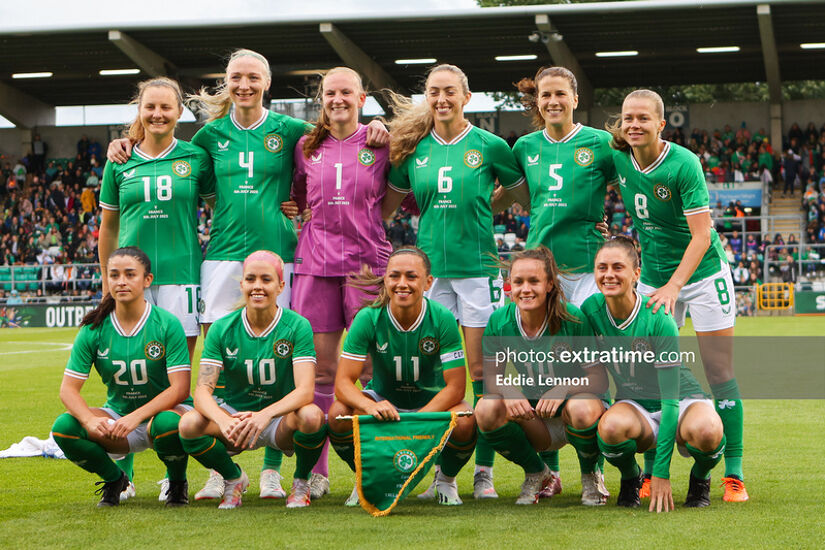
685,267
452,167
538,414
151,202
417,364
140,353
343,183
266,354
657,398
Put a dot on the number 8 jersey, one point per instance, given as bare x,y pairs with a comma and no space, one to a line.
258,369
659,198
157,200
134,367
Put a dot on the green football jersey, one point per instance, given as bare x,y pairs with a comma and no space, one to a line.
157,202
257,370
568,179
134,367
407,365
658,199
504,338
253,168
452,183
642,331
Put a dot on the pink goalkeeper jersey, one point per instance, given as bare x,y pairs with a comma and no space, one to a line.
343,183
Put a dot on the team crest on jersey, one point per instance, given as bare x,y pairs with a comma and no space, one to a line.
428,346
273,143
366,157
282,348
473,158
640,345
154,350
583,156
662,192
559,348
405,461
182,168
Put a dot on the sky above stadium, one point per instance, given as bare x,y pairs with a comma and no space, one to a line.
54,14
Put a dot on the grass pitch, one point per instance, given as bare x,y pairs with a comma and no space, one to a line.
49,503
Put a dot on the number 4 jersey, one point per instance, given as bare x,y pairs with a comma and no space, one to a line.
134,367
258,369
157,201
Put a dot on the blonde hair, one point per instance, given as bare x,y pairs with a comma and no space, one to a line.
529,89
322,126
218,103
412,122
136,132
615,127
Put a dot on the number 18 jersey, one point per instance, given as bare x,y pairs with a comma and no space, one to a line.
157,201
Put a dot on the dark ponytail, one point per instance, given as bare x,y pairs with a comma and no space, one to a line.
373,285
107,304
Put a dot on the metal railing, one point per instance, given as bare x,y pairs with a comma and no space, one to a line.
809,262
49,277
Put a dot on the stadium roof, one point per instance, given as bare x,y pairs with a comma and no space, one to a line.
665,33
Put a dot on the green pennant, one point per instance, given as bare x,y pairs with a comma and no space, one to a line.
391,458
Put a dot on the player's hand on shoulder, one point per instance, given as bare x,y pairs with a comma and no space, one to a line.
119,150
377,134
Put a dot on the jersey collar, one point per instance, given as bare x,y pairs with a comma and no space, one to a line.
456,139
255,124
361,128
524,335
570,135
659,160
627,322
268,330
415,325
139,152
138,326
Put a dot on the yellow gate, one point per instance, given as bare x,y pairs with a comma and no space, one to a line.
774,296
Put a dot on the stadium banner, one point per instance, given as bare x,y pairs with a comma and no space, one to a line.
391,458
750,193
44,315
677,116
809,303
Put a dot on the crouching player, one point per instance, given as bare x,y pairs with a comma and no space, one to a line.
656,402
521,424
268,360
140,353
418,365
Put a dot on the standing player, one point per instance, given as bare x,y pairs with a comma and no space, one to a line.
568,168
657,401
266,354
343,182
685,267
152,199
518,422
252,154
418,364
452,167
140,353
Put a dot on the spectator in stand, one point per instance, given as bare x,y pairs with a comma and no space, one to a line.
790,167
83,146
19,172
795,133
740,274
788,270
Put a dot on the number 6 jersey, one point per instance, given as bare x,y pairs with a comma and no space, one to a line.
258,369
134,367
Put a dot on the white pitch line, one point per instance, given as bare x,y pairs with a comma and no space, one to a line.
63,347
